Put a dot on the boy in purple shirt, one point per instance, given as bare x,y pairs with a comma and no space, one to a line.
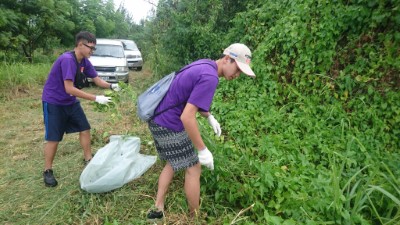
175,131
62,111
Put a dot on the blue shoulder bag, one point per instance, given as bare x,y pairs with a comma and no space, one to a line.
151,98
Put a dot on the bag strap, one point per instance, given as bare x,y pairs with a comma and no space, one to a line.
164,110
77,64
176,74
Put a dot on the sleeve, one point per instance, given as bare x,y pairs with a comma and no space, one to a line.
89,70
203,92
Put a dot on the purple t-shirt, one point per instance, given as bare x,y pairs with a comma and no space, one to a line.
64,68
195,85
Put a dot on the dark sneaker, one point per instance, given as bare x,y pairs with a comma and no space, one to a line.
49,179
86,162
155,214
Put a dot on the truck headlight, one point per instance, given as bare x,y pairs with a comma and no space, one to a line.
121,68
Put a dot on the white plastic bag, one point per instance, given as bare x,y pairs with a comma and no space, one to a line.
114,165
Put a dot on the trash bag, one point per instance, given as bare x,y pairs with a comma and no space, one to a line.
115,164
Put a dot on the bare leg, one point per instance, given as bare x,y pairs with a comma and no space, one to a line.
84,138
50,150
163,183
192,187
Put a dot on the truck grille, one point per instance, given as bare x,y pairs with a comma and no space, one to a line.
104,69
132,56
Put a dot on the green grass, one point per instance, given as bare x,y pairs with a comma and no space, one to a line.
25,200
17,78
303,166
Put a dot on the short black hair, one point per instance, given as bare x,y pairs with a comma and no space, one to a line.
85,35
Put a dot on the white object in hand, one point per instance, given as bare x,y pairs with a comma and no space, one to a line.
215,125
102,99
206,158
115,87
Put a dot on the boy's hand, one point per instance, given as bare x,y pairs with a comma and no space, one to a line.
102,99
115,87
206,158
215,125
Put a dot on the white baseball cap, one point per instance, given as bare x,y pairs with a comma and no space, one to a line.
242,55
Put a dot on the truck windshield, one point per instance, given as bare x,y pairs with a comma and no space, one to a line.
130,46
109,51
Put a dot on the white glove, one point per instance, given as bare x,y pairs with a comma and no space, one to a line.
115,87
206,158
102,99
215,125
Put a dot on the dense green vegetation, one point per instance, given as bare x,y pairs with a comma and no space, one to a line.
314,139
48,27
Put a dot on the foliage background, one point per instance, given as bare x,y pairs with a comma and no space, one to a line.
49,27
314,139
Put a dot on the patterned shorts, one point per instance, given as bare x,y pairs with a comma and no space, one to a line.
174,147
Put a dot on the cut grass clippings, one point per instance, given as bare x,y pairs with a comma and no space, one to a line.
25,200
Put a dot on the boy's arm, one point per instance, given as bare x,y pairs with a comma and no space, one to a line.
205,114
70,89
189,121
101,83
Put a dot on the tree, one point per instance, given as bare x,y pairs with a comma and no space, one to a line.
185,30
36,22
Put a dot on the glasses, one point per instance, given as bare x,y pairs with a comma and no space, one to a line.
91,47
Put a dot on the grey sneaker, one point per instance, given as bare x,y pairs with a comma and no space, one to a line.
49,179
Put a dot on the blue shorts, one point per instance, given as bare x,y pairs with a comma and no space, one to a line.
59,119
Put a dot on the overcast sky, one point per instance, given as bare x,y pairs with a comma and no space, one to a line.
138,9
